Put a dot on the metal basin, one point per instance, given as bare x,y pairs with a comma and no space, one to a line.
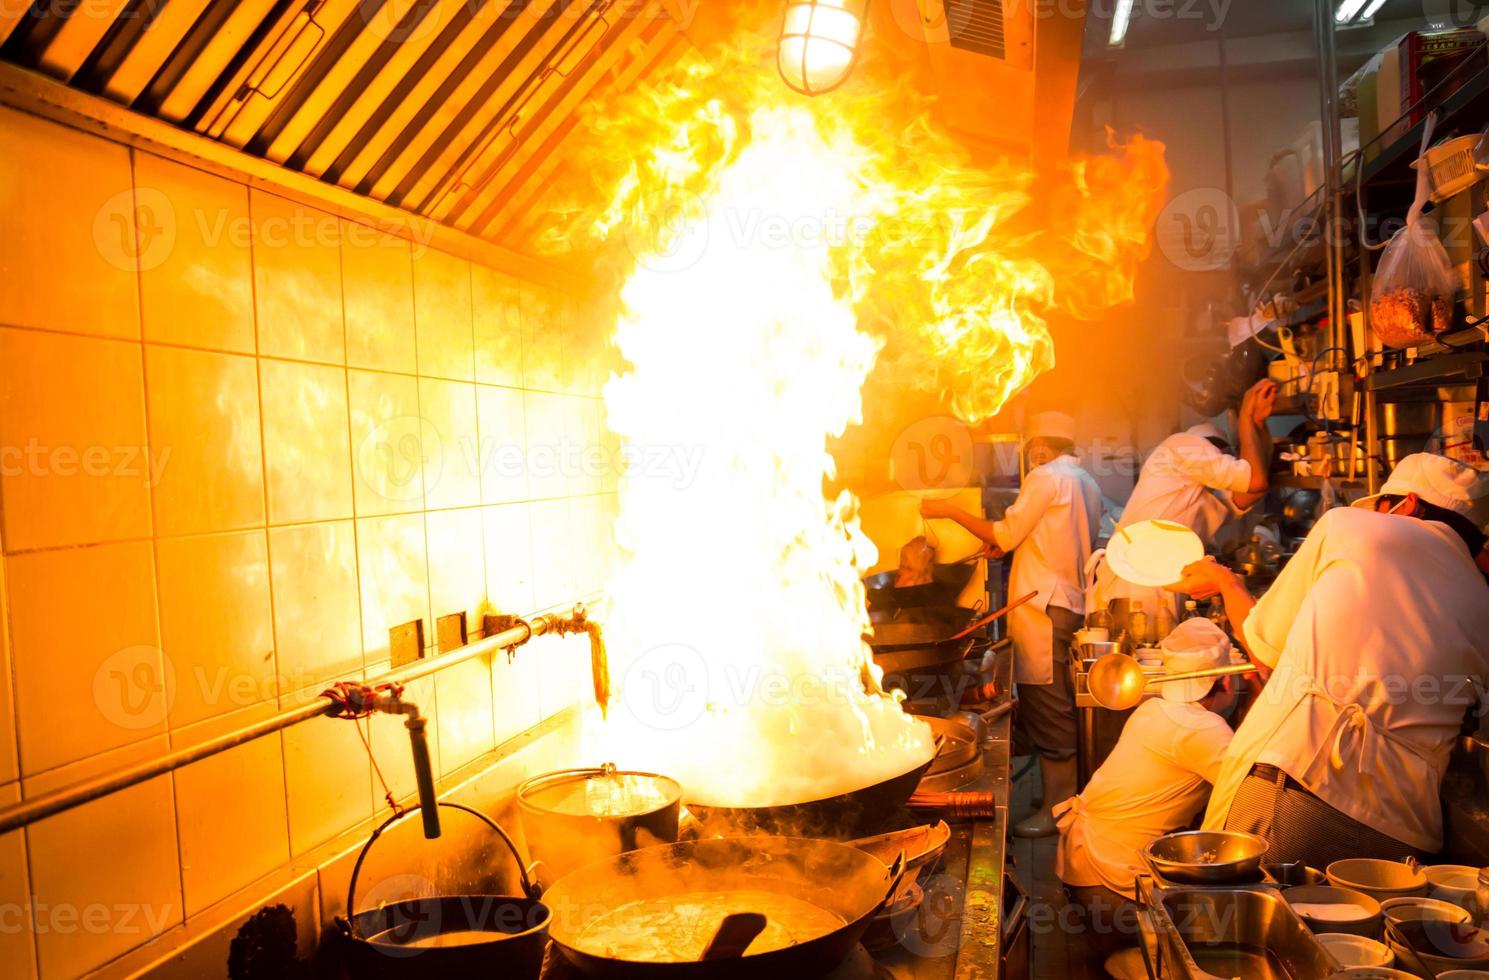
1223,933
1207,857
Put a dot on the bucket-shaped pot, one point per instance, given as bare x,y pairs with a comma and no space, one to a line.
575,817
453,937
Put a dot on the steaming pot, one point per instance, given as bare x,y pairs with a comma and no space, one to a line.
575,817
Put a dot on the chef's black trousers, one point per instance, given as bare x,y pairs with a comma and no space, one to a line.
1301,827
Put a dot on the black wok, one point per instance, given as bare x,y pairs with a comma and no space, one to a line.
917,638
843,816
948,582
899,629
852,886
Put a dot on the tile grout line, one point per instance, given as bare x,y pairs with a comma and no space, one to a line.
351,459
207,349
475,395
316,522
436,751
7,645
258,365
154,528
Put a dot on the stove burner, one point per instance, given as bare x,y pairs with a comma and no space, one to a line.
951,779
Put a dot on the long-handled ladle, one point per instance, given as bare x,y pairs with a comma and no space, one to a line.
1117,681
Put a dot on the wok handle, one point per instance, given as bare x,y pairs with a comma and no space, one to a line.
995,615
896,875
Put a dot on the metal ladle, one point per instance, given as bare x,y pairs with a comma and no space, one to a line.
1117,681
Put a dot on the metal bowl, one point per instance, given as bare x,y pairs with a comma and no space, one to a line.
1207,857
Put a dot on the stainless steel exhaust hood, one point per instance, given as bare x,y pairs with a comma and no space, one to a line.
458,110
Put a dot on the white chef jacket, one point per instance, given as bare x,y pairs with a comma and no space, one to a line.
1190,481
1154,782
1378,630
1051,529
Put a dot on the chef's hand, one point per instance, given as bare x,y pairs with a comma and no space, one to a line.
1202,579
932,508
1260,401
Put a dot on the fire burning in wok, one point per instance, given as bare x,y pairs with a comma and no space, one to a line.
777,248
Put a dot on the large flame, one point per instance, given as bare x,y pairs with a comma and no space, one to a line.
776,247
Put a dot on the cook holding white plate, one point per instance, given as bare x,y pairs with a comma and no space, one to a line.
1194,478
1374,641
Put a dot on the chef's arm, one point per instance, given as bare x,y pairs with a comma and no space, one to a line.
977,526
1022,516
1208,578
1256,440
1256,450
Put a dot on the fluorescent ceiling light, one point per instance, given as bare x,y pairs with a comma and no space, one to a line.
1373,9
1121,17
1347,10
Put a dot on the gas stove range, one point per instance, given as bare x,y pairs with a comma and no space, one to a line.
963,923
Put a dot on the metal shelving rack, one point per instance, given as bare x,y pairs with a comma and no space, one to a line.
1386,181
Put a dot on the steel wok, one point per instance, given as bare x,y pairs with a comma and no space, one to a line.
836,877
843,816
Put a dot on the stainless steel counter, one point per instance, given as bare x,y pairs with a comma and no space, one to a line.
959,934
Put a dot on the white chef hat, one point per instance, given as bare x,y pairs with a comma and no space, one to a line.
1195,644
1051,425
1441,481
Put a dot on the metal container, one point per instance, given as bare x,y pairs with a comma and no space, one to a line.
1210,933
1207,857
1293,873
1308,899
574,817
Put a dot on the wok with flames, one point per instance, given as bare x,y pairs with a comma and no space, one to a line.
842,816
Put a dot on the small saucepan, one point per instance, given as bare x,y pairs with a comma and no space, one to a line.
460,937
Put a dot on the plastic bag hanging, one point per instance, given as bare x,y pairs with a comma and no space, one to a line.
1411,299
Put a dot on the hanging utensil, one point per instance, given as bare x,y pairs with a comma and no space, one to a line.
995,615
1117,681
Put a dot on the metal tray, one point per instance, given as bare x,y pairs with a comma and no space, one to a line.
1247,931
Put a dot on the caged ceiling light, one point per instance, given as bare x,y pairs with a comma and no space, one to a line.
819,43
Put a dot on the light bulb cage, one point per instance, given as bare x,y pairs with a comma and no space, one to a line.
858,11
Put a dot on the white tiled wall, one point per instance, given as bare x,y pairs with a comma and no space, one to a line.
241,439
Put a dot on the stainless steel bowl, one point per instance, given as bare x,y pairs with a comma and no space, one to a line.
1207,857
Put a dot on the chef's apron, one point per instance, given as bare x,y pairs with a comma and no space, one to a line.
1098,849
1334,749
1033,634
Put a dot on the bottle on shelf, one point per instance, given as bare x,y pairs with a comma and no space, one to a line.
1137,624
1163,621
1191,609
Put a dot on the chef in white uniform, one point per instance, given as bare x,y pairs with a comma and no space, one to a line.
1156,780
1192,478
1374,641
1051,529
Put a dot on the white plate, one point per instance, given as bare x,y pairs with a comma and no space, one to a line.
1153,553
